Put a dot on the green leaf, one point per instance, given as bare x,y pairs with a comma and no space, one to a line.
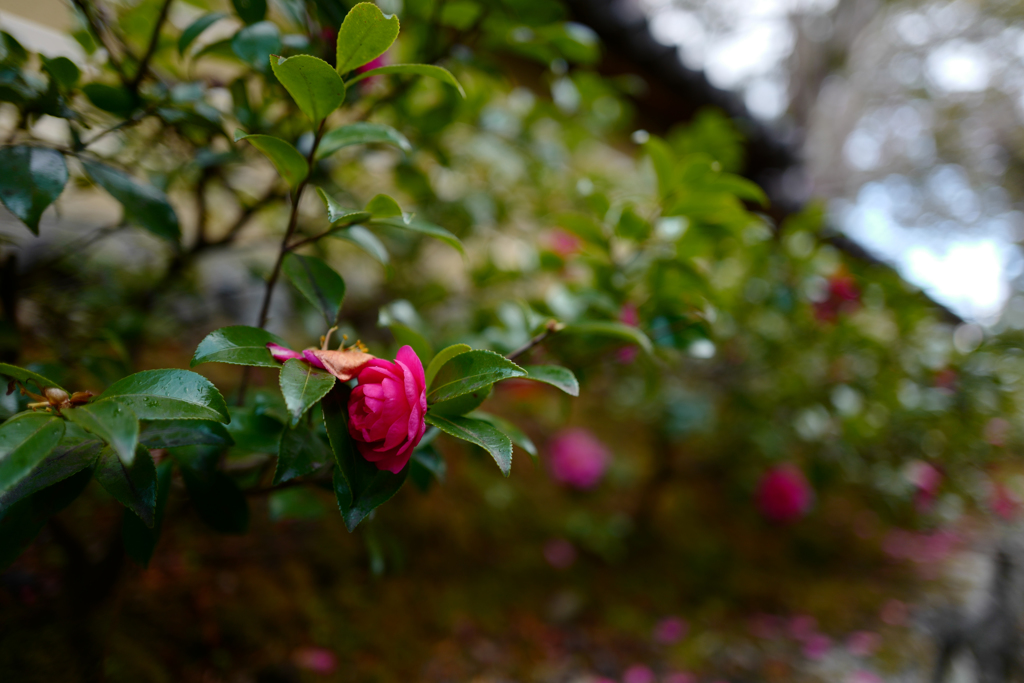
312,83
237,345
63,70
255,432
425,466
23,521
196,28
467,372
294,503
337,213
139,540
424,227
584,227
406,336
114,423
440,73
115,99
176,433
518,436
442,357
250,11
217,499
478,432
23,375
319,283
302,451
383,206
360,133
365,34
134,486
255,43
169,395
143,204
67,459
25,440
33,178
303,385
612,329
288,161
358,485
555,375
463,404
365,240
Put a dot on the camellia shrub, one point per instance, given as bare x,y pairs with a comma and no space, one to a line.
403,235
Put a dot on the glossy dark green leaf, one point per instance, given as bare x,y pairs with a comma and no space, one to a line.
313,84
319,283
416,225
365,34
428,70
250,11
442,357
115,99
556,376
302,451
217,499
67,458
467,372
237,345
133,486
169,395
176,433
112,422
518,436
294,503
23,376
32,179
25,441
361,133
462,404
483,434
139,540
288,161
337,213
612,329
23,521
255,43
365,240
359,486
144,205
302,385
255,432
196,28
63,70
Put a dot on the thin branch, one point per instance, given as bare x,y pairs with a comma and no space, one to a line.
552,327
330,231
98,30
292,222
154,40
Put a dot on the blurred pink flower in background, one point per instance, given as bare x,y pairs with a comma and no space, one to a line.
638,673
1003,501
670,630
996,431
578,459
628,315
863,643
783,494
766,626
560,553
370,66
316,659
803,626
926,479
817,646
863,677
563,243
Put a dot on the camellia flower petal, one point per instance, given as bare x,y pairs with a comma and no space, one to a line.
386,410
343,363
281,354
783,494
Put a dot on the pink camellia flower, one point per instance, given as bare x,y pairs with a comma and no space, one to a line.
926,478
803,627
564,243
783,494
1004,503
638,673
316,659
670,630
817,646
375,63
863,643
578,459
863,677
386,410
281,354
